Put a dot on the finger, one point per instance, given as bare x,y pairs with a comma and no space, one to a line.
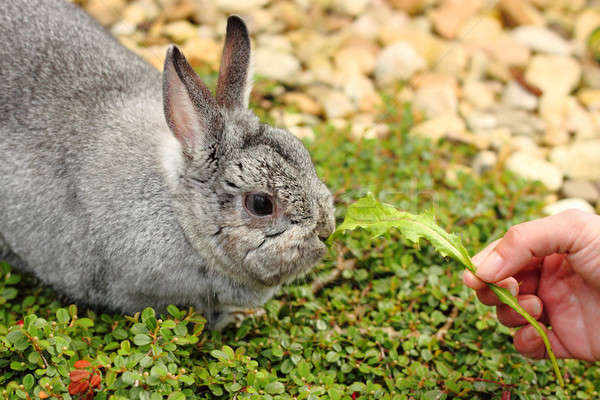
472,281
479,257
528,281
509,317
487,297
538,238
529,343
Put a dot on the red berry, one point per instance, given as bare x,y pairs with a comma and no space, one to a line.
82,364
78,375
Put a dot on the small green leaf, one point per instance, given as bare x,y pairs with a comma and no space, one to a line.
141,339
275,388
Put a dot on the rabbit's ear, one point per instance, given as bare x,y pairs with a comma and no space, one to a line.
191,111
234,85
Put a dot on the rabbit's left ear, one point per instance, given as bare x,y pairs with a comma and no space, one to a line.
234,85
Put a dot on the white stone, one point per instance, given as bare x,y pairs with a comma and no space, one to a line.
336,104
302,132
239,7
532,168
516,96
398,61
350,7
439,127
568,204
552,73
275,64
579,160
479,94
582,189
433,100
484,161
542,40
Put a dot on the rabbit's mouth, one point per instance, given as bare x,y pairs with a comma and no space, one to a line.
270,265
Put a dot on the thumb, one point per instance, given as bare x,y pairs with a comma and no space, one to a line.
567,232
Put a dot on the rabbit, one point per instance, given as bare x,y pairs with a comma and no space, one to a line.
124,189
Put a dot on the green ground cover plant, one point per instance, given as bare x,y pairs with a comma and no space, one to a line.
378,318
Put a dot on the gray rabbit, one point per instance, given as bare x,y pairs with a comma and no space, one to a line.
122,189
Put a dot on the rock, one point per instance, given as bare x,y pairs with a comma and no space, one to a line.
433,100
520,12
335,103
484,161
527,145
352,8
450,16
366,26
585,23
590,98
578,160
519,122
532,168
365,127
107,12
515,96
361,91
275,64
552,73
302,132
409,6
480,120
180,31
274,42
568,204
304,102
582,189
200,51
450,58
239,7
542,40
140,11
439,126
479,94
591,74
555,136
579,121
397,62
357,57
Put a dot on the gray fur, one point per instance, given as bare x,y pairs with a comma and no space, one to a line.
101,201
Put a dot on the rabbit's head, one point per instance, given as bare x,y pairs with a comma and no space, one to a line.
246,194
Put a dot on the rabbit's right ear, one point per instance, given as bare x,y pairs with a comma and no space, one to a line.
190,110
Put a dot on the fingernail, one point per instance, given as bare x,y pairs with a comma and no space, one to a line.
532,304
529,334
489,268
514,290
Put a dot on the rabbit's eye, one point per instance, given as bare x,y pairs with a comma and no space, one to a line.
260,204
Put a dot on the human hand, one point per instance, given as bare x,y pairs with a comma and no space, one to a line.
552,266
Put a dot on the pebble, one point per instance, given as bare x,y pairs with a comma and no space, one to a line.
529,167
336,104
520,12
106,11
438,99
484,161
350,7
568,204
180,31
578,160
450,16
553,73
515,96
582,189
398,61
479,94
304,102
542,40
200,51
239,7
439,126
585,23
276,64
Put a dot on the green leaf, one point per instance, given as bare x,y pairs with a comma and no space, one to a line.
62,316
378,218
84,322
141,339
275,388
